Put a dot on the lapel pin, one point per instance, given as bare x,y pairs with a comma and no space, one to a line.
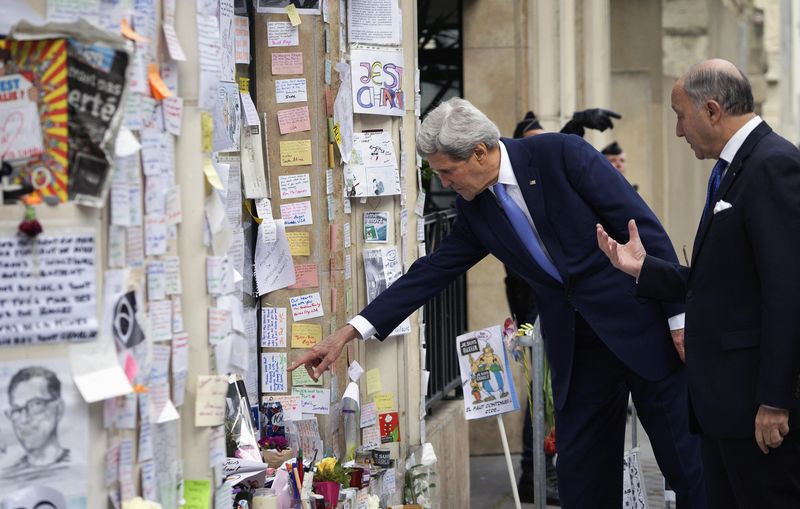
532,182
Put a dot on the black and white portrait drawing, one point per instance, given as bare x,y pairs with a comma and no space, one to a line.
43,429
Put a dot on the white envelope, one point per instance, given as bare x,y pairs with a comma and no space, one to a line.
721,205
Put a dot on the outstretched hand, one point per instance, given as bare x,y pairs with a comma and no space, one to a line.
596,118
626,257
320,356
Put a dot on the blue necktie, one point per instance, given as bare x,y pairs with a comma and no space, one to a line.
525,231
713,184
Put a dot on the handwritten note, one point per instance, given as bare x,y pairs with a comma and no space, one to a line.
306,335
294,120
155,241
282,33
172,273
369,415
196,494
273,327
210,408
306,275
173,114
299,243
287,63
47,294
241,31
384,402
292,406
297,213
160,316
273,261
306,306
371,437
219,324
273,373
296,152
290,91
156,280
294,186
374,381
300,377
314,400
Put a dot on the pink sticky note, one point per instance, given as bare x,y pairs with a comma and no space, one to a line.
306,276
130,367
294,120
287,63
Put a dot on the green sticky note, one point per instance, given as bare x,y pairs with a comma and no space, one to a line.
197,494
300,377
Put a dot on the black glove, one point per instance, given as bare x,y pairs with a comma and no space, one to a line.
595,118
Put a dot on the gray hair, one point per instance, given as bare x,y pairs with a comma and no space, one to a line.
733,93
455,128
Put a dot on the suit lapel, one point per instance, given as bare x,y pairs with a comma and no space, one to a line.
734,170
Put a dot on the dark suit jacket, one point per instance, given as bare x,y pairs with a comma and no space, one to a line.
742,292
568,187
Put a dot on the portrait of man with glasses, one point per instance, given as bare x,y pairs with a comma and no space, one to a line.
35,411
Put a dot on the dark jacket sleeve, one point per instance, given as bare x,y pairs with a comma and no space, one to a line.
615,202
662,280
429,275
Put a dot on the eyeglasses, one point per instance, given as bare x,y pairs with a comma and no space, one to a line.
32,408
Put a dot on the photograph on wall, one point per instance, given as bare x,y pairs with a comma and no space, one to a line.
44,430
279,6
376,226
382,267
372,170
485,374
227,118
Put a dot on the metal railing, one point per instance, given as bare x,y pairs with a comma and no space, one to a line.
445,318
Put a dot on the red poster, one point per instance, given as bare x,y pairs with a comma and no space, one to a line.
390,427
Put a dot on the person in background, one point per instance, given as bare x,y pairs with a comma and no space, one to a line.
742,340
615,156
523,306
530,203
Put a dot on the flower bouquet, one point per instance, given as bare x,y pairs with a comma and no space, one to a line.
275,450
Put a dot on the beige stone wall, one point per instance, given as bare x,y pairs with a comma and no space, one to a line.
447,432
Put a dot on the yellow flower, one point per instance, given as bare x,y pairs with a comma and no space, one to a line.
326,466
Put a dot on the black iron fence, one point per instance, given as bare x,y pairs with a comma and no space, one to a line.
445,318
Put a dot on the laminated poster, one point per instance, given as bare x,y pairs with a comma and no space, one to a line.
485,374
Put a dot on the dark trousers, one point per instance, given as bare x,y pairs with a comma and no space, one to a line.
591,429
740,476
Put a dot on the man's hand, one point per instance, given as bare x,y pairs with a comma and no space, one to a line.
595,118
677,340
320,356
772,424
626,257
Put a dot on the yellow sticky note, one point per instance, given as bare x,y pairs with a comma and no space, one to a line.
374,381
384,402
299,243
207,130
244,84
294,16
306,335
211,174
295,152
300,377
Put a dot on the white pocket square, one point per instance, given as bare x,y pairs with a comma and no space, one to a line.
721,205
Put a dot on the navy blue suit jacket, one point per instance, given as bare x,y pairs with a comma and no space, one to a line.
742,292
569,187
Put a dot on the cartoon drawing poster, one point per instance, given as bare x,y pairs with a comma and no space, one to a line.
485,374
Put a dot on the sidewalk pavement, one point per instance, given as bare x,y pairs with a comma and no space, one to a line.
491,489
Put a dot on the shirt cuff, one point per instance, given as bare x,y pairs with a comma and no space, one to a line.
363,326
676,322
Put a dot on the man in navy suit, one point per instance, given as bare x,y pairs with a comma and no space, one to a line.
533,204
741,293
